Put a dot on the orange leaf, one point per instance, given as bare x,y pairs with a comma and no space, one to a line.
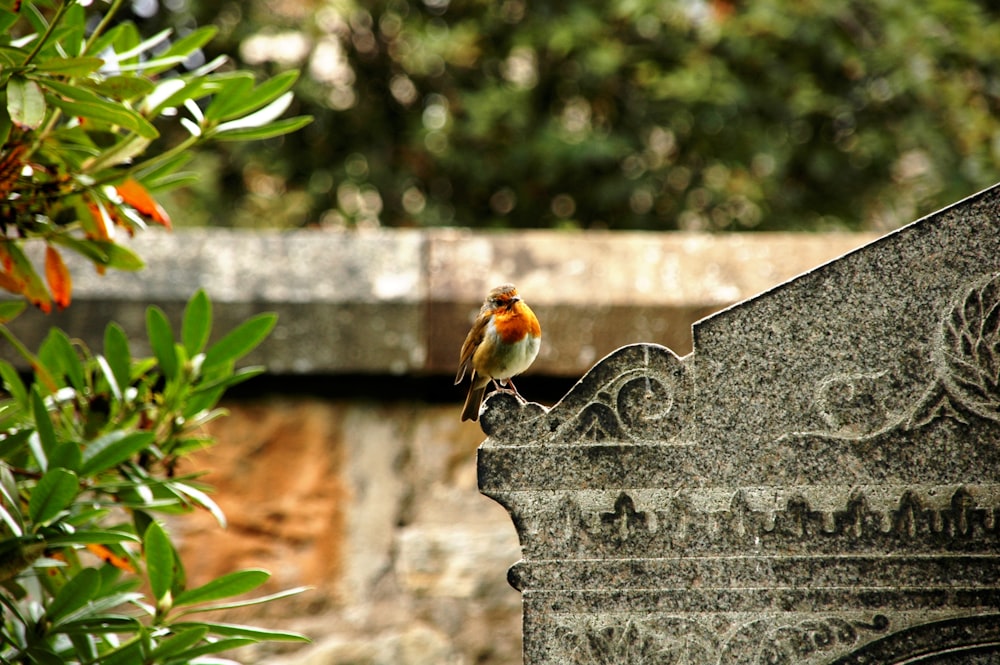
58,277
105,554
99,226
136,196
20,277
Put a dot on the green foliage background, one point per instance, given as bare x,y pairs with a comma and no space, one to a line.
630,114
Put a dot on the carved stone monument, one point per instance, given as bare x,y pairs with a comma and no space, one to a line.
817,482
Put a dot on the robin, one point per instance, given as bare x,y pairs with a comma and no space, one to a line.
503,342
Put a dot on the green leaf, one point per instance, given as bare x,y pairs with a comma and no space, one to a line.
5,123
112,449
203,500
111,113
52,494
120,153
116,352
159,553
229,104
43,656
218,646
234,91
75,92
161,340
125,87
178,644
197,323
181,48
239,341
43,425
227,586
143,46
96,537
71,67
237,630
25,103
271,130
119,257
58,347
247,603
12,383
66,455
76,593
11,309
12,443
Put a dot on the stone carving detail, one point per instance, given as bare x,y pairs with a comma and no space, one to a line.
678,642
921,518
966,357
772,640
634,394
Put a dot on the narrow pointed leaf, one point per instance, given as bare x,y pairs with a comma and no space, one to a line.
72,67
233,90
113,449
43,423
197,324
240,341
159,554
237,630
161,339
279,128
58,353
237,106
116,352
136,196
178,643
53,493
74,594
111,113
58,277
12,383
227,586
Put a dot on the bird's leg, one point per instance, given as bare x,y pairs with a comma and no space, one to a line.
510,383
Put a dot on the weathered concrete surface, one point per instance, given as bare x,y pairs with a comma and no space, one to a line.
396,302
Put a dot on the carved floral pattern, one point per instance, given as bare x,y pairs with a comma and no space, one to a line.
634,394
968,356
681,642
966,359
673,640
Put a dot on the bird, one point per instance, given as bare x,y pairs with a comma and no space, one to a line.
503,342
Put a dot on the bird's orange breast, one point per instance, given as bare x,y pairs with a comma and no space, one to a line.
513,324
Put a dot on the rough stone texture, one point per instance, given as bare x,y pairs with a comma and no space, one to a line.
398,302
375,506
815,483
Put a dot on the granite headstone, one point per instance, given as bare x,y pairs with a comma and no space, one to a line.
817,482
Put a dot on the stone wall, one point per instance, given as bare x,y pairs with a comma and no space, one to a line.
347,468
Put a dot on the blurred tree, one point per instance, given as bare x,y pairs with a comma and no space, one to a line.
630,114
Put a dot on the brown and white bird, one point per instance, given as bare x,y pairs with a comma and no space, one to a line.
503,342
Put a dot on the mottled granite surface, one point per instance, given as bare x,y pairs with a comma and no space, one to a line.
817,482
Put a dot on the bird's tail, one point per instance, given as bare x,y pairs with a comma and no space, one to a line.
474,400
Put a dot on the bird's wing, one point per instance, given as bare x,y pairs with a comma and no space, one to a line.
472,341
